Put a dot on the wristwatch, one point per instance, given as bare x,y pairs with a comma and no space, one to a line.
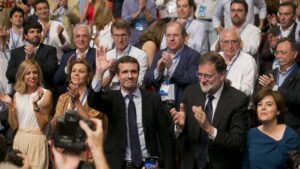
36,108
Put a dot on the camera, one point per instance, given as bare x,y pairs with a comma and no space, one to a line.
293,159
67,133
12,156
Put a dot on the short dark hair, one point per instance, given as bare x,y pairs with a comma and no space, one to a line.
279,101
191,4
40,1
120,24
292,42
127,59
215,58
242,2
32,25
290,4
14,10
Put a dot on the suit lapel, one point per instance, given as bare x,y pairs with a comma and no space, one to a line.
222,106
290,78
89,56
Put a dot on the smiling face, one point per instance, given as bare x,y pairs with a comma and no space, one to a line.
128,74
267,110
79,74
81,38
210,80
31,76
33,36
42,11
285,55
184,10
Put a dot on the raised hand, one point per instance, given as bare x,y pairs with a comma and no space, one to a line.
167,59
29,51
178,117
102,64
38,96
73,92
202,120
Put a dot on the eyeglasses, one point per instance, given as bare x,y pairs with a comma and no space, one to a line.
232,42
121,35
282,52
204,76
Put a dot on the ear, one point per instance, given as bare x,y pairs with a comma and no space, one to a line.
278,113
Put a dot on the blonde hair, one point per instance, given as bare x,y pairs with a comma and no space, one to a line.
102,14
20,85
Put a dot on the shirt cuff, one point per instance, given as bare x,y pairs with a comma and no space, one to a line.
96,85
275,88
177,130
214,135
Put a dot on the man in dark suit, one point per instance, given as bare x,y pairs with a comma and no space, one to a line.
173,68
213,120
286,29
286,79
137,126
45,55
81,38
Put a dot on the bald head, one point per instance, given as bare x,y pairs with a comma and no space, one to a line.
230,42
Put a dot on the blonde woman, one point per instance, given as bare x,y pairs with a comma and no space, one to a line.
29,112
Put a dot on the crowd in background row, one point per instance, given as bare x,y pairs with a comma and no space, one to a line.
182,80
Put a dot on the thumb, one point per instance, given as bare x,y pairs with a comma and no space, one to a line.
181,108
85,127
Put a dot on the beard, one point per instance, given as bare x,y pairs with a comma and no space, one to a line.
237,21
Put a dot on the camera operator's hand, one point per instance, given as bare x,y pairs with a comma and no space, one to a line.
25,160
95,140
63,159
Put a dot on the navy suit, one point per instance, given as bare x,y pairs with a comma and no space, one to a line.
290,90
60,76
159,141
184,74
46,58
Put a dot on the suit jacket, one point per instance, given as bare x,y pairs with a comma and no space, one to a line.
46,58
267,57
290,90
184,74
230,120
60,76
159,141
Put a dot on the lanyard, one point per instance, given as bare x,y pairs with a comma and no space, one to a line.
229,67
188,23
15,45
286,74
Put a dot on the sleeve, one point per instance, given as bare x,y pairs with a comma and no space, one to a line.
60,75
12,66
218,13
262,7
143,67
126,13
50,64
252,44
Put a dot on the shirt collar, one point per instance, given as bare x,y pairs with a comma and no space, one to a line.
136,93
217,94
85,52
287,70
288,30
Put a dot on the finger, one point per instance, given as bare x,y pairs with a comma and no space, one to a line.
181,107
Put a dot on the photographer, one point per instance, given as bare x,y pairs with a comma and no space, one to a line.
94,141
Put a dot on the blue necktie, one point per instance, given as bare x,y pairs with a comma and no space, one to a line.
135,147
202,152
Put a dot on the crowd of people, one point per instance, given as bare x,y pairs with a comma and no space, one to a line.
185,84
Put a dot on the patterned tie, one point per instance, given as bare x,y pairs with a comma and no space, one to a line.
135,147
202,151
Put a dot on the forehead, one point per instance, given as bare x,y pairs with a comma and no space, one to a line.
183,2
229,35
268,98
41,5
237,6
285,9
81,31
79,66
284,46
128,66
33,30
207,68
173,28
30,68
119,30
17,13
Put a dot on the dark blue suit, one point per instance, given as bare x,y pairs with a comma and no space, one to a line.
184,74
60,75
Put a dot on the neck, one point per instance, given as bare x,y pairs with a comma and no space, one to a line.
284,68
238,26
44,21
286,27
82,89
82,50
228,59
269,127
16,28
119,51
30,90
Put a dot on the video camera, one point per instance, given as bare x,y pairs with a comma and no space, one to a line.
67,133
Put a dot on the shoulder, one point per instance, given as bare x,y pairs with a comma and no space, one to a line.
137,51
247,58
149,44
189,51
234,93
252,28
47,47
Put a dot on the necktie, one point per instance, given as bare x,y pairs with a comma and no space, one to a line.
202,152
136,153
